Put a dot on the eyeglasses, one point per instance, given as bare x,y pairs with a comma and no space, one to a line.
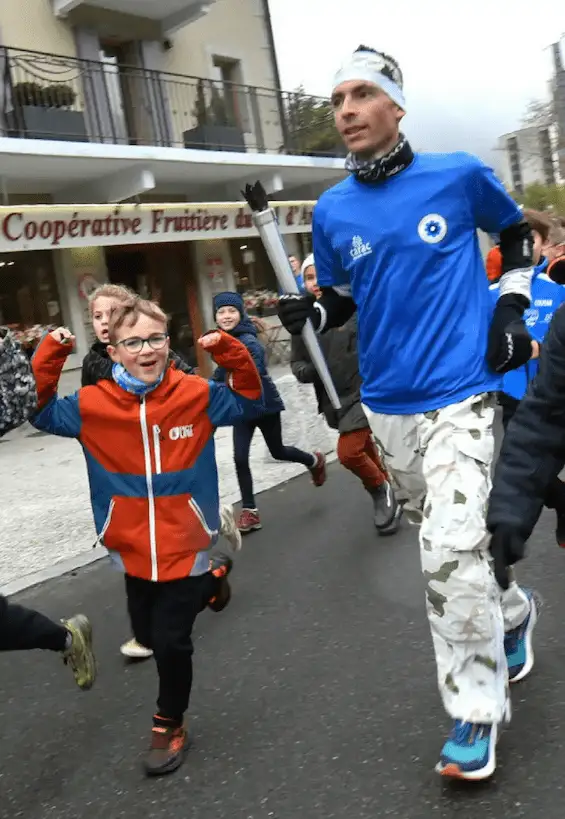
135,344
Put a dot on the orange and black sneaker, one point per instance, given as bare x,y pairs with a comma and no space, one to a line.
221,566
168,744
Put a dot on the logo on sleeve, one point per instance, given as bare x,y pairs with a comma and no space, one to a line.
359,248
432,228
531,317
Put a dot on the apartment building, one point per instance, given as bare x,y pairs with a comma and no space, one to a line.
110,108
557,90
528,156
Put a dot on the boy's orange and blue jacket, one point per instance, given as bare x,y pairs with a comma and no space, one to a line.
151,459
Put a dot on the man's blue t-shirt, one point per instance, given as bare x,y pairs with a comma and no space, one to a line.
547,296
407,251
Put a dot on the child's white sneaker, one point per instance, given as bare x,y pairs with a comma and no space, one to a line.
228,528
135,651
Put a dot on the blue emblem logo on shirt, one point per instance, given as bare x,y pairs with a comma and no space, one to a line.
432,228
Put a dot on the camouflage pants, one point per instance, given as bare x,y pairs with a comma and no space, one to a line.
441,462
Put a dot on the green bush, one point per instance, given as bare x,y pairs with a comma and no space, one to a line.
28,93
59,95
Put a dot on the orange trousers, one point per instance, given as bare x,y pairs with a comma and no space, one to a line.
357,452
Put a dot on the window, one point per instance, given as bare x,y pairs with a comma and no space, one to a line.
234,92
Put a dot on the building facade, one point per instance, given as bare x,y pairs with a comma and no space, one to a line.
557,90
132,115
529,156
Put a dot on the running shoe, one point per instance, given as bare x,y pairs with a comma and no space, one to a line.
79,655
221,566
135,651
229,529
385,507
249,521
470,751
318,471
168,746
518,643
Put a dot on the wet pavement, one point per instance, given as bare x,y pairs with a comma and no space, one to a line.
314,696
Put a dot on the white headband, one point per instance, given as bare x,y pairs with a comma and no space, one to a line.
369,66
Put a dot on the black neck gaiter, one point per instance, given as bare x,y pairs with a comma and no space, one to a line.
377,170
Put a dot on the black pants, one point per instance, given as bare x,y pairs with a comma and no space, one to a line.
555,494
22,629
271,429
162,617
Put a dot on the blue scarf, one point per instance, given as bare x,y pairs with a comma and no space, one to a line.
132,384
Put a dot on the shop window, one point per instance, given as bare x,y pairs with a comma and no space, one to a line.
158,272
29,296
254,275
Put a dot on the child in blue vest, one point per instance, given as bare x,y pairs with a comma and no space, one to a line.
230,316
547,296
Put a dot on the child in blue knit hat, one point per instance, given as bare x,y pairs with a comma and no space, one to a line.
230,316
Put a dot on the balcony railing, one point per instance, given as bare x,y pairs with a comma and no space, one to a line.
47,96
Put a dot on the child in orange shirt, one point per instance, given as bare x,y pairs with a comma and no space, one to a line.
148,439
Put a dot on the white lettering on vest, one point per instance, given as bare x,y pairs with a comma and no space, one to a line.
177,433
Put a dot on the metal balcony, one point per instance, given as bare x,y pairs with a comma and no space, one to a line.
170,14
46,96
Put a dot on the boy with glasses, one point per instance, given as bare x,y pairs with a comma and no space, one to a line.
148,440
97,366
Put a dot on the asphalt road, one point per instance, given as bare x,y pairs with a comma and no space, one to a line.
314,696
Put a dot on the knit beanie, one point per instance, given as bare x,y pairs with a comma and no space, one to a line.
308,262
229,299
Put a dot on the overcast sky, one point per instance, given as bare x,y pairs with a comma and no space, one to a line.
470,66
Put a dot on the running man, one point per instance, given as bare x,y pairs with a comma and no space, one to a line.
397,241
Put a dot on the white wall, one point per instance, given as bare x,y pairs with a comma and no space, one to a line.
214,272
32,24
72,267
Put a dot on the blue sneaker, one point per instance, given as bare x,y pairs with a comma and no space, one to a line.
470,751
518,644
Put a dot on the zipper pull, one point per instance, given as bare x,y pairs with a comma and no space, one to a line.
157,447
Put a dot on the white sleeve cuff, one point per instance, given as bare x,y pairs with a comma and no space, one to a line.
517,282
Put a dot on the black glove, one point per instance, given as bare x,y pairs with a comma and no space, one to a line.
294,311
509,343
507,546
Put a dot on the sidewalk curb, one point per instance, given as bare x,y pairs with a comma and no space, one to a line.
80,561
58,569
